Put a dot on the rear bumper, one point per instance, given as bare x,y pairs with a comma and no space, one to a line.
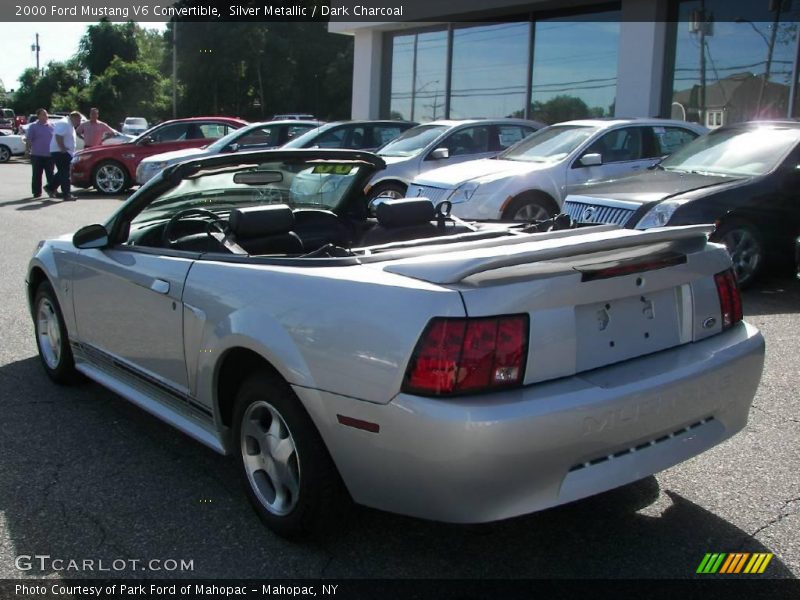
496,456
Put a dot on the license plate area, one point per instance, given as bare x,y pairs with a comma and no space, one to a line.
624,328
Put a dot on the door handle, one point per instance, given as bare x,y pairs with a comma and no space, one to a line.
160,286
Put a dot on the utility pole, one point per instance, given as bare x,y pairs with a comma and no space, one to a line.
701,24
775,6
175,69
35,48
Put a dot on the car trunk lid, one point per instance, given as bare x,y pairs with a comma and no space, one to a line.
594,297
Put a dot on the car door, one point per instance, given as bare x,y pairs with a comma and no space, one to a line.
622,151
128,309
463,144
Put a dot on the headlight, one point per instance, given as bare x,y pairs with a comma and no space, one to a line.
77,158
463,193
659,215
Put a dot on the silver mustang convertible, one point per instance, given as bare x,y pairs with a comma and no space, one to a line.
450,370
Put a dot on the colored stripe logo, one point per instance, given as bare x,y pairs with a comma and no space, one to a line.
734,563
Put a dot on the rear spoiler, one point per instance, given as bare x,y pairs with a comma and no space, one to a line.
452,267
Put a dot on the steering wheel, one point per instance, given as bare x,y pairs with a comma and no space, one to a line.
166,235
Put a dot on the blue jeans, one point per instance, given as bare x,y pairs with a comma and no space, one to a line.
61,161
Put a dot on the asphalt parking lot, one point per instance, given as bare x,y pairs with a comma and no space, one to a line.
85,475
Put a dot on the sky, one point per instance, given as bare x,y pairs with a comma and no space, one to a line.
58,41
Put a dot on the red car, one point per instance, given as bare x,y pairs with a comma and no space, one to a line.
112,169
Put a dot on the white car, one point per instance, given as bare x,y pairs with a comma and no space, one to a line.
441,143
135,125
11,145
530,180
256,136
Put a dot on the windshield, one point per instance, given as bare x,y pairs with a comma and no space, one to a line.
550,144
219,144
301,140
299,184
413,141
735,152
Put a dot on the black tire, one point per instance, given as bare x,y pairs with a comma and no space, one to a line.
396,190
530,208
320,493
5,154
746,247
48,323
111,178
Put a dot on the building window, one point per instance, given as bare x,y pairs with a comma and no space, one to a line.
734,61
490,71
575,68
419,76
570,72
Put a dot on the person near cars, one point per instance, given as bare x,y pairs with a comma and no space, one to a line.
94,131
62,147
38,138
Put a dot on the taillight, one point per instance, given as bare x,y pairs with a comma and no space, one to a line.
463,355
730,301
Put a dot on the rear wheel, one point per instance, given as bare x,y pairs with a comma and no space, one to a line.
388,190
289,476
746,247
111,178
51,336
5,154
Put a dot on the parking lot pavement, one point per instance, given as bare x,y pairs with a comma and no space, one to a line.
85,475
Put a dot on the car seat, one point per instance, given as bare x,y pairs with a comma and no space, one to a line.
263,230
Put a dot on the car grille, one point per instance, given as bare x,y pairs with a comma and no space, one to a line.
435,195
583,212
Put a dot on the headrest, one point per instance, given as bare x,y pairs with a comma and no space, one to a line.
259,221
405,211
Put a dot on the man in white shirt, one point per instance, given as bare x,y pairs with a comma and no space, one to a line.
62,147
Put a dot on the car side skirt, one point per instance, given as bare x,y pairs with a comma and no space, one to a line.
170,406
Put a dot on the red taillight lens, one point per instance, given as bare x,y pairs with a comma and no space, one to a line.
730,301
456,356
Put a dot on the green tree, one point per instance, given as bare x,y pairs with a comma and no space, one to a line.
50,90
560,108
127,88
103,42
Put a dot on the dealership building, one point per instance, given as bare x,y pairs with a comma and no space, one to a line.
707,61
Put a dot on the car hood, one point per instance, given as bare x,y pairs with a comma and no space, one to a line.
485,170
652,186
393,160
177,155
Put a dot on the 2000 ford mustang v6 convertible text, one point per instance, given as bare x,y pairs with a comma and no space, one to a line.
464,372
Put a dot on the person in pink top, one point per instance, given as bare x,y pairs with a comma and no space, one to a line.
94,131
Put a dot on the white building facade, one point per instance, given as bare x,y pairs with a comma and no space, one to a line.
552,61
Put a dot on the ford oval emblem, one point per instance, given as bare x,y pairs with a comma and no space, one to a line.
709,323
588,214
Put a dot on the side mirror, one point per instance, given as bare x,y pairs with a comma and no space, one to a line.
439,154
146,141
91,236
591,160
234,147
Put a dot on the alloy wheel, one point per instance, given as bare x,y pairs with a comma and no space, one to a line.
110,179
270,458
48,331
531,212
745,252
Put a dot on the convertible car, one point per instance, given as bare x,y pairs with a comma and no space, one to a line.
390,353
